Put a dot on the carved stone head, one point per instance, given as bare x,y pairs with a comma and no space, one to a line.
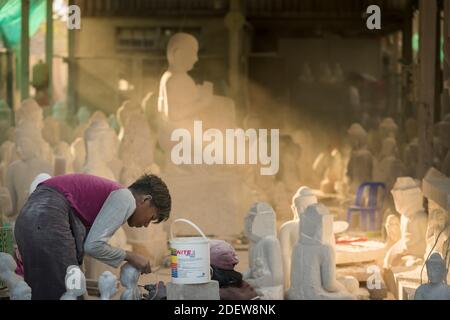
407,196
301,200
436,268
316,226
260,222
182,52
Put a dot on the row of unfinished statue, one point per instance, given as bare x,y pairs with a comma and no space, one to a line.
75,282
37,151
377,156
300,263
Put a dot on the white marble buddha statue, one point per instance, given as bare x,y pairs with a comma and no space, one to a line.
410,249
390,167
265,273
313,271
21,172
437,287
180,98
30,112
288,234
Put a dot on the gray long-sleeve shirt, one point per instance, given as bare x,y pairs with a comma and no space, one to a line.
116,210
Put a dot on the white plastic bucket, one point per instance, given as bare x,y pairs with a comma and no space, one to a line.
190,261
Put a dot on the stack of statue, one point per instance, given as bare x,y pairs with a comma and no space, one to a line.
21,172
390,167
437,287
288,235
18,289
360,165
313,270
265,274
181,100
410,249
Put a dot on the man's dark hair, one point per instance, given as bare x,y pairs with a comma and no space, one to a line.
149,184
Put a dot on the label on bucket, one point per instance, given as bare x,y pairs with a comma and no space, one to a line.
186,265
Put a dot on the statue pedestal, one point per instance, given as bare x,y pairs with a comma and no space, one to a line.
205,291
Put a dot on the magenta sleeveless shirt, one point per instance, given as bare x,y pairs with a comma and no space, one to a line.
85,193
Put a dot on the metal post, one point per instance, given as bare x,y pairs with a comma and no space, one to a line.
49,48
25,51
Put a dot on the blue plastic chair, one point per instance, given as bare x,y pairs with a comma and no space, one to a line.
372,209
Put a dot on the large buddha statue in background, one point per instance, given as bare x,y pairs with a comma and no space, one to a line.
181,101
180,98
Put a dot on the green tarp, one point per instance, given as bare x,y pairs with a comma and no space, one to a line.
10,17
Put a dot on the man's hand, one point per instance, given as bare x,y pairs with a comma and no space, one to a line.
139,262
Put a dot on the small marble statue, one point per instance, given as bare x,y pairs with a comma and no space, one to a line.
360,165
306,75
129,277
107,285
265,274
31,114
388,128
409,250
393,231
333,173
75,283
288,235
21,173
18,289
437,287
390,167
313,271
